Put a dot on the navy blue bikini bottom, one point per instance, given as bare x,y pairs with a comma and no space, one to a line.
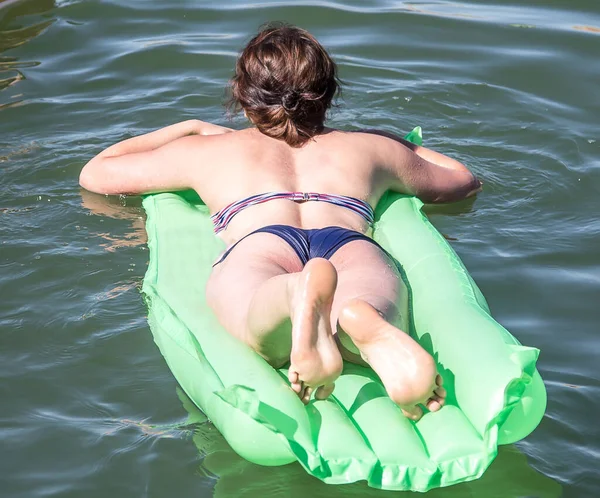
308,244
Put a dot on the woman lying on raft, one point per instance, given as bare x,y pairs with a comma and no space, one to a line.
300,280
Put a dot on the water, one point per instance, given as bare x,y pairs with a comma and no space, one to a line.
88,404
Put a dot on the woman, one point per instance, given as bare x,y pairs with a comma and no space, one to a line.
300,280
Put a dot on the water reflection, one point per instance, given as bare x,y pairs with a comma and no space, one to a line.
588,29
419,9
13,35
509,474
120,208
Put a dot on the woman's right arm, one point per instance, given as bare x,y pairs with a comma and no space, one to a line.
435,177
430,175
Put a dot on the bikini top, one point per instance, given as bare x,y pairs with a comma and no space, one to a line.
222,218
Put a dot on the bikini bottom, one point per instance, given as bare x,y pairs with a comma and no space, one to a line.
308,244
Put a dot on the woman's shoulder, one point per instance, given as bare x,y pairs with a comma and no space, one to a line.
369,136
380,146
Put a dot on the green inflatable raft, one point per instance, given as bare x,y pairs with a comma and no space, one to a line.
495,394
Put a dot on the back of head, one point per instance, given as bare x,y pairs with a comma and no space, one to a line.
285,82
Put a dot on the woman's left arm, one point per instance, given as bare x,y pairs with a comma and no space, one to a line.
156,161
158,138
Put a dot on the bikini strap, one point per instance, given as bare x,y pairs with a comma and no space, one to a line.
222,218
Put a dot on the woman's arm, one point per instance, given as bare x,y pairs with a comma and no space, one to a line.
158,138
437,178
430,175
157,161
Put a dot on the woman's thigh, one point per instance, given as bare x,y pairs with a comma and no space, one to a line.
233,282
366,272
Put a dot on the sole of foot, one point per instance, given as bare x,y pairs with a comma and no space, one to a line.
315,360
407,371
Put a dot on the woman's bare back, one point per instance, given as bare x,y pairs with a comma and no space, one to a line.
225,168
246,163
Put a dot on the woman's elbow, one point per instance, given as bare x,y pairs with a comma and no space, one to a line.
91,176
86,178
475,187
458,190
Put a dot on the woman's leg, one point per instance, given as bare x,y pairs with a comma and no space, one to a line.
371,309
263,296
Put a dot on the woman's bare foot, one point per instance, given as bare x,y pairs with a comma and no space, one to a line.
315,360
407,371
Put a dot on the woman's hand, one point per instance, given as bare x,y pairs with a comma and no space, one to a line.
148,141
204,128
163,136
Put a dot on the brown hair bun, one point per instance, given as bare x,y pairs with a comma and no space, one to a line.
285,81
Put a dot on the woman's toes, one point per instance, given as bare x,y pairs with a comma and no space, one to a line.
433,405
440,391
297,387
292,377
306,395
414,413
324,392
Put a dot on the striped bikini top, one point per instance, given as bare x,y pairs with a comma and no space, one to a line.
222,218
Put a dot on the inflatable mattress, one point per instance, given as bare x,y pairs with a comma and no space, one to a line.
495,394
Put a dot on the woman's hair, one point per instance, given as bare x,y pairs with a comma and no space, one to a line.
285,81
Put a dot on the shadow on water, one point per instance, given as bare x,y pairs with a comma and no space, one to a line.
509,475
13,35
